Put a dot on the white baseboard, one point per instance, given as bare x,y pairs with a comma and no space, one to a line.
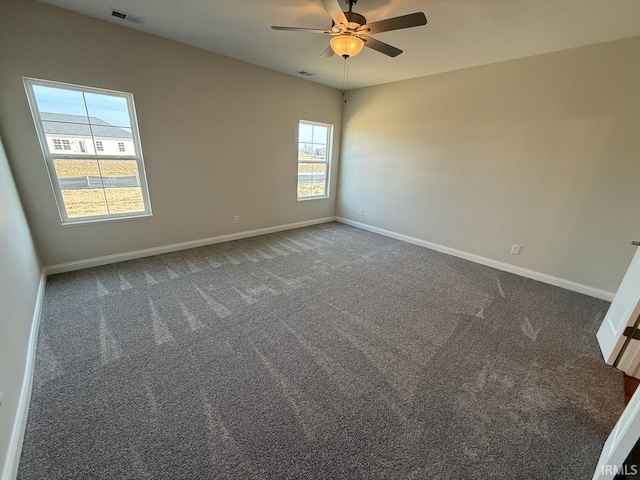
12,460
148,252
524,272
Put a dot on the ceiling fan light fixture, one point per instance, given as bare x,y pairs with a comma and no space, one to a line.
346,45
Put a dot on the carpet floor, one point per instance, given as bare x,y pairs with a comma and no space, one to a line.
323,352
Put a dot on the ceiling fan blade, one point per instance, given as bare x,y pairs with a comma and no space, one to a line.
335,10
302,29
328,52
395,23
380,46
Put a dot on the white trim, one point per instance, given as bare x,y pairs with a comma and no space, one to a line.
12,459
328,159
506,267
148,252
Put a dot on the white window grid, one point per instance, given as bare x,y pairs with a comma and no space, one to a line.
314,146
51,156
99,146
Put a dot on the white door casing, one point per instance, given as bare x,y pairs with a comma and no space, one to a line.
620,443
623,312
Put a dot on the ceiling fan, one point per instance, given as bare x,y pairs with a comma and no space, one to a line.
350,30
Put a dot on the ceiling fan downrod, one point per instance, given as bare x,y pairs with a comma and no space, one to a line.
355,19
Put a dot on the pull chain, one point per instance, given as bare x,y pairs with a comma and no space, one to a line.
345,79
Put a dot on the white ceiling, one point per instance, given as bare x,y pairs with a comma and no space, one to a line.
460,33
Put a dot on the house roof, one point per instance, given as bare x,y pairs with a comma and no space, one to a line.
81,125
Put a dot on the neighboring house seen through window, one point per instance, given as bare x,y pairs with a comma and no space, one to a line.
314,159
90,142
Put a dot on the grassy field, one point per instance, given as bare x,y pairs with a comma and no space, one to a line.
311,189
81,168
93,201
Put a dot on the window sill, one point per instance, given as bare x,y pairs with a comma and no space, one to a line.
318,197
96,221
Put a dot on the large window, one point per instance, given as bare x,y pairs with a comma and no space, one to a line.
314,159
90,142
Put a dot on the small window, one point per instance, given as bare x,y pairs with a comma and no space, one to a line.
90,185
314,159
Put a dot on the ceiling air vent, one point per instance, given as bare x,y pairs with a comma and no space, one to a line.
126,16
305,73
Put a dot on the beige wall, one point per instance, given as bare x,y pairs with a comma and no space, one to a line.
218,135
19,281
542,151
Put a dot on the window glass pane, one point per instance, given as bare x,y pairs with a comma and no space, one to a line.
122,185
55,101
305,179
313,160
81,187
74,123
319,171
305,133
107,109
320,134
63,115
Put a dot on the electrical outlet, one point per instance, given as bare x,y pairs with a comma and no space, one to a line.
515,249
236,219
361,212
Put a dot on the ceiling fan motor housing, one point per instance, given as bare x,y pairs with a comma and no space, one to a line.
354,17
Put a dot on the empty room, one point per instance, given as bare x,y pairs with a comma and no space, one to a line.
319,239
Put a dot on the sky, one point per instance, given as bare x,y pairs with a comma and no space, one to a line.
109,108
312,134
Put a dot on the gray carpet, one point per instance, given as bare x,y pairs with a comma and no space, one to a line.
324,352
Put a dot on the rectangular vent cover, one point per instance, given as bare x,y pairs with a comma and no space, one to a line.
126,16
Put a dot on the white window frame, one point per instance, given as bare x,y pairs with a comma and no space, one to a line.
99,146
49,156
66,145
57,144
327,159
121,147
